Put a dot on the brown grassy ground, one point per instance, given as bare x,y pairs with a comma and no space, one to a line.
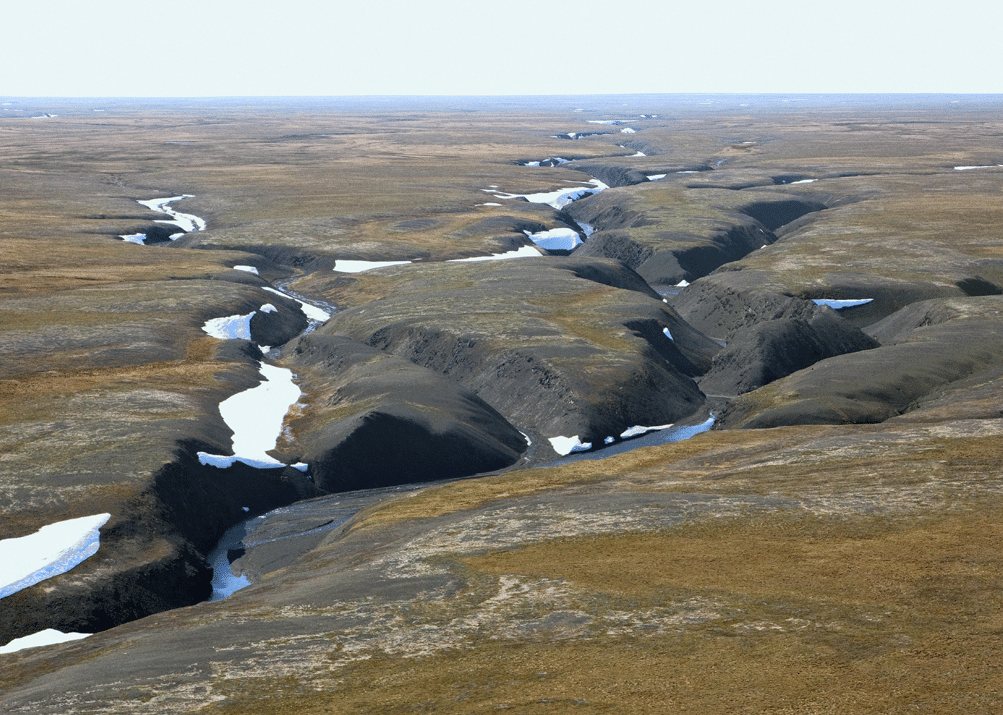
844,569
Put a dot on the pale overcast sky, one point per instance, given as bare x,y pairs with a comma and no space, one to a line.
135,48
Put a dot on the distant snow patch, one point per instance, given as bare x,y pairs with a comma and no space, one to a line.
638,430
666,333
246,269
269,308
50,551
566,445
521,252
628,130
232,327
186,222
360,266
312,312
552,161
840,304
682,284
969,168
556,239
50,636
557,199
137,238
804,181
656,177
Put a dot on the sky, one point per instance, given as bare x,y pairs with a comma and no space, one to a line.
210,48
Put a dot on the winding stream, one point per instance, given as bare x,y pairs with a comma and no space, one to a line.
256,415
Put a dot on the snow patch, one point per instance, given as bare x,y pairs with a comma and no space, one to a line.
186,222
666,333
312,312
269,308
256,416
557,199
50,551
969,168
638,430
232,327
246,269
50,636
360,266
521,252
566,445
840,304
556,239
656,177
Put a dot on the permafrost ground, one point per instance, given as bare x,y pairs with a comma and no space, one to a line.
831,545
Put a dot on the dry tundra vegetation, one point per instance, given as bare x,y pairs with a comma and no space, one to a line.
831,546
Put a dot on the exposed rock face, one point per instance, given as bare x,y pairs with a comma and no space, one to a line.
558,347
377,420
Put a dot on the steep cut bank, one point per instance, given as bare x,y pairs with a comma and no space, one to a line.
669,233
562,347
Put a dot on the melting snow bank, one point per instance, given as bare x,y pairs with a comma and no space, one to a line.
556,239
840,304
638,430
50,551
256,416
50,636
224,581
557,199
632,438
566,445
312,312
232,327
552,161
969,168
186,222
359,266
521,252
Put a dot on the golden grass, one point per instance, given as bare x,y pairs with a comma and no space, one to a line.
807,616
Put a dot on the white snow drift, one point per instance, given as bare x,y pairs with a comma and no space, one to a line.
50,551
256,416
